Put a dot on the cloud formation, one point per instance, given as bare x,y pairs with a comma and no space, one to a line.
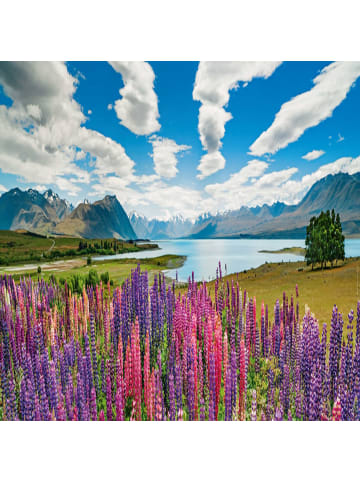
213,83
251,187
42,135
312,155
138,107
164,155
308,109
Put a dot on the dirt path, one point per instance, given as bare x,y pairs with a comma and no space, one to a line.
61,265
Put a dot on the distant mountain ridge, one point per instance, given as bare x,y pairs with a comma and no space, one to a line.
176,227
340,191
47,213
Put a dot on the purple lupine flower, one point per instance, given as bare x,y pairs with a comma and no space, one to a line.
285,389
253,407
93,409
279,414
228,407
44,403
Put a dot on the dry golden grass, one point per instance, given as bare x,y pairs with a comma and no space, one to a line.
319,290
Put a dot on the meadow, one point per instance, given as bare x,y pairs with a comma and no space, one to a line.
18,247
147,351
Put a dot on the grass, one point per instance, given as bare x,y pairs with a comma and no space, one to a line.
318,289
118,269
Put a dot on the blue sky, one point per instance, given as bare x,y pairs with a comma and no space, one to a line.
172,138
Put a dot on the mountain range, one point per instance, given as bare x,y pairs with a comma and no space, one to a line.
340,191
47,213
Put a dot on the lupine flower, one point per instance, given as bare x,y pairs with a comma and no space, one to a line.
170,356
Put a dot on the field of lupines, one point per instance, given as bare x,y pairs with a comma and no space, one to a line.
149,353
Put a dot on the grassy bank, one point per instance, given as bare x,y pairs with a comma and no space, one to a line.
118,269
318,289
294,250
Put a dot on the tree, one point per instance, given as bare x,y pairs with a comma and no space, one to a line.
324,240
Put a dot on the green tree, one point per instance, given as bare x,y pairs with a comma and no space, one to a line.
324,240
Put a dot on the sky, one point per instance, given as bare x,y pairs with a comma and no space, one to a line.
178,138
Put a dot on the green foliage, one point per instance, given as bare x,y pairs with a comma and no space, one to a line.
92,278
105,278
76,283
89,261
324,242
39,269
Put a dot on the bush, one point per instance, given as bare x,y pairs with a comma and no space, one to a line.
105,277
39,269
92,279
89,261
76,283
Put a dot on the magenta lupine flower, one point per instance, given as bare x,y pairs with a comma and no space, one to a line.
119,405
108,399
101,416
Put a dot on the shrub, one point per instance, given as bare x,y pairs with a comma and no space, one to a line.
105,277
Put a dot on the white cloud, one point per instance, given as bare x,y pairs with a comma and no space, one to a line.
297,189
340,138
89,111
312,155
110,106
153,199
309,108
2,188
110,155
164,155
213,83
248,187
251,187
41,134
138,107
210,163
40,187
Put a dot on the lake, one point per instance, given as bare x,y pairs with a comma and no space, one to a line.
203,255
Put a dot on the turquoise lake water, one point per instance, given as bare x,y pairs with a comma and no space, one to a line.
203,255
